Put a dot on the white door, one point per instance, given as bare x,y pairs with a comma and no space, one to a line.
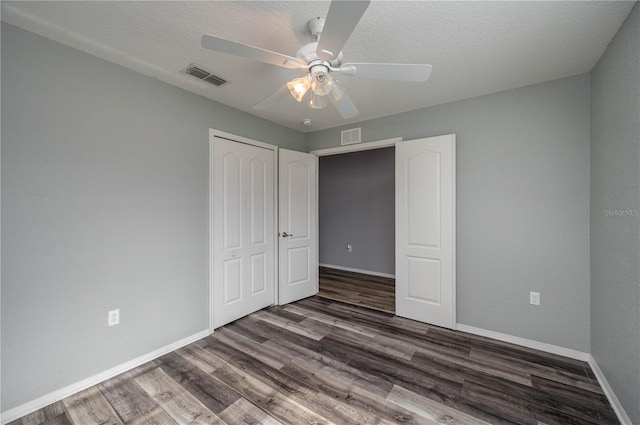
425,230
298,226
243,234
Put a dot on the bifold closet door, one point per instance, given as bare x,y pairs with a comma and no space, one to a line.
243,234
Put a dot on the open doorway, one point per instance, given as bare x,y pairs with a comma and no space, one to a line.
356,193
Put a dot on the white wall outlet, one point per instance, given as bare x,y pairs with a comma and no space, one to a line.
534,298
114,317
349,247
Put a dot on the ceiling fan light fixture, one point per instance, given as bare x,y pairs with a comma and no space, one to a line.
338,90
298,87
317,101
322,83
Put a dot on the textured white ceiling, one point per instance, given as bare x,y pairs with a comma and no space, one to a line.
475,47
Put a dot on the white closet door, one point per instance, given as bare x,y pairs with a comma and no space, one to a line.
298,226
243,229
425,230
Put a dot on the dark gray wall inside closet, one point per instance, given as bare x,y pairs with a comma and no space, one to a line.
357,207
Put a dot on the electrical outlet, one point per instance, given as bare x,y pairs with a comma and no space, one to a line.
534,298
349,247
114,317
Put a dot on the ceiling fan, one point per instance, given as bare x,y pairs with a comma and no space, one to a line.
322,58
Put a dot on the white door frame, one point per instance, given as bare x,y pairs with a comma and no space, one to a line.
213,133
357,147
388,143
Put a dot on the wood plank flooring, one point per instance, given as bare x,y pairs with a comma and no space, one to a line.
318,361
378,293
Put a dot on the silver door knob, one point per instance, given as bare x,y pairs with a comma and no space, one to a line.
286,235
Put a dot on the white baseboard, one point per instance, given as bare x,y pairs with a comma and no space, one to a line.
351,269
52,397
608,391
542,346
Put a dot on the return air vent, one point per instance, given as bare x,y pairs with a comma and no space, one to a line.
204,75
349,137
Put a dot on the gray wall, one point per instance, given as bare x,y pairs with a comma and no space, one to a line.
357,206
105,200
615,205
522,204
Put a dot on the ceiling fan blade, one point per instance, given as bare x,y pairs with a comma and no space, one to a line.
273,99
222,45
388,71
342,18
345,106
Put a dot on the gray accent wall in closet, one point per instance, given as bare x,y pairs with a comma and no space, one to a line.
357,207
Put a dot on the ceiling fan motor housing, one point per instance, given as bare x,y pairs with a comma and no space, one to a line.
319,70
307,54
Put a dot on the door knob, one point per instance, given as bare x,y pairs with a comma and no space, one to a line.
286,235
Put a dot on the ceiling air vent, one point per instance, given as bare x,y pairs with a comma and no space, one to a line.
204,75
349,137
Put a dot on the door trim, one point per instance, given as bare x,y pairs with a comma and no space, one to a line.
357,147
213,133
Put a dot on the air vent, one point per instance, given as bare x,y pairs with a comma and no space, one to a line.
204,75
349,137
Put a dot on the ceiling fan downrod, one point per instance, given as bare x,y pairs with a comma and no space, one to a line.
315,26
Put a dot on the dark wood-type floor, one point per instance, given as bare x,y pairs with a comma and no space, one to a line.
365,290
318,361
